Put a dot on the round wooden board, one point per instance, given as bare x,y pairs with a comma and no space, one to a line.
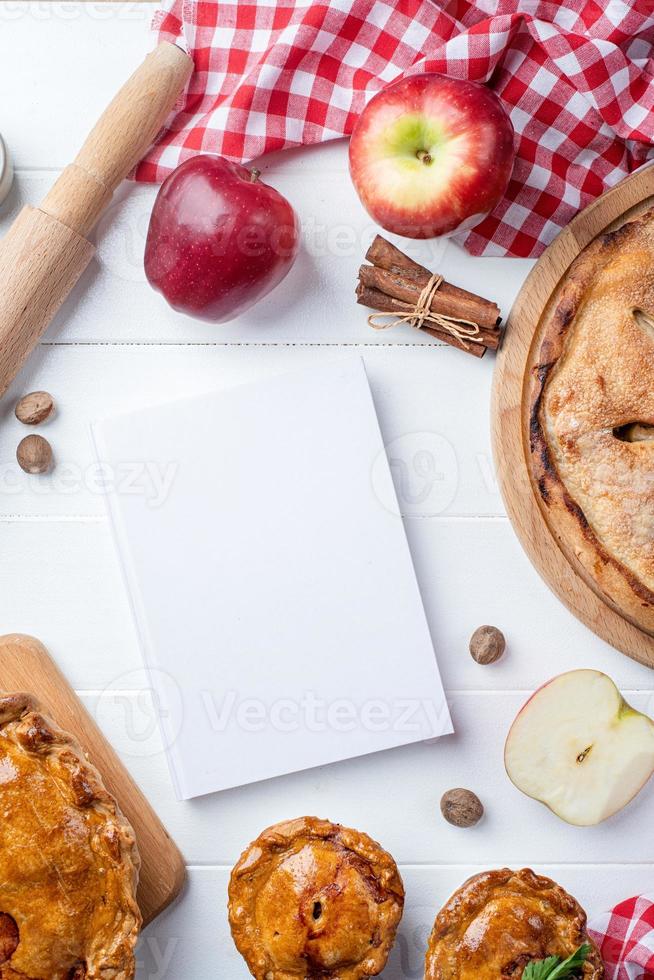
510,415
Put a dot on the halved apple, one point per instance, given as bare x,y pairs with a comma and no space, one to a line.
579,748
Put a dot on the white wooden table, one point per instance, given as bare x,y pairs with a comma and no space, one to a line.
116,344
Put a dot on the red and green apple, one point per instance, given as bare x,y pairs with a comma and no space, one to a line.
430,155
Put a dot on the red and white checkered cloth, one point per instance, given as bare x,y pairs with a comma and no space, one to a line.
625,937
577,77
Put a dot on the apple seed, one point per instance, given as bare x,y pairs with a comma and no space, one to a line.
487,644
461,808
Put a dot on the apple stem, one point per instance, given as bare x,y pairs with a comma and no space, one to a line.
583,755
424,156
254,175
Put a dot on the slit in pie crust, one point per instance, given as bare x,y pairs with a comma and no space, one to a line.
312,899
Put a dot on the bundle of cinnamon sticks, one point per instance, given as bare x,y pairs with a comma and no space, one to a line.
395,284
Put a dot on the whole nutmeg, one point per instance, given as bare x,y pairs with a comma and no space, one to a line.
461,808
34,408
34,454
487,644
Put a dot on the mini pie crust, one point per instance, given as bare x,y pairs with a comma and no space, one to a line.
68,858
592,465
310,898
499,921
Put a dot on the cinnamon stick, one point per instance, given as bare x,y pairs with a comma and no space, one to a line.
408,292
376,300
405,279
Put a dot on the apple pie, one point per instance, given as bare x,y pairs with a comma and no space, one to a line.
68,859
310,898
500,921
592,418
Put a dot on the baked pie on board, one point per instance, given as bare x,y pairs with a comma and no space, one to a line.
309,898
26,665
500,921
571,403
69,862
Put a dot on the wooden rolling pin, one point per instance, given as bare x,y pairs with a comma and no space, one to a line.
46,249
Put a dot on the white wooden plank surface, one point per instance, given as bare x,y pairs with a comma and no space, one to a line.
515,830
62,62
81,612
418,393
115,345
113,301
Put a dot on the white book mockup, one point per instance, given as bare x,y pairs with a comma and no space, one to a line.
272,586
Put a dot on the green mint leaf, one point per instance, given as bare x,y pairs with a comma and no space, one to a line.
573,964
541,969
553,968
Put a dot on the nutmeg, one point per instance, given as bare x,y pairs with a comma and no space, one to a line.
34,454
487,644
34,408
461,808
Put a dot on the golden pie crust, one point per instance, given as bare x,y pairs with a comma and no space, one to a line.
592,406
68,858
310,898
499,921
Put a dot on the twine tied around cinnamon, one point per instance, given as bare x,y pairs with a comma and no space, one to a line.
422,313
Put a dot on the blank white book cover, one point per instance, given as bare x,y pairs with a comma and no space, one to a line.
272,586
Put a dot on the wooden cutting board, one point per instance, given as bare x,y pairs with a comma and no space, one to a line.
26,667
510,415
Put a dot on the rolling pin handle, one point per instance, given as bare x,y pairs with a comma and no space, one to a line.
47,249
122,135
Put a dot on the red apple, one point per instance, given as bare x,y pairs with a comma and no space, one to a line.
431,154
219,239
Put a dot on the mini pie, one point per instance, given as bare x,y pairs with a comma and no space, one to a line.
310,898
68,859
499,921
592,418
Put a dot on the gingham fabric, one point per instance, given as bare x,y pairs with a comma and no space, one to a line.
577,77
625,937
